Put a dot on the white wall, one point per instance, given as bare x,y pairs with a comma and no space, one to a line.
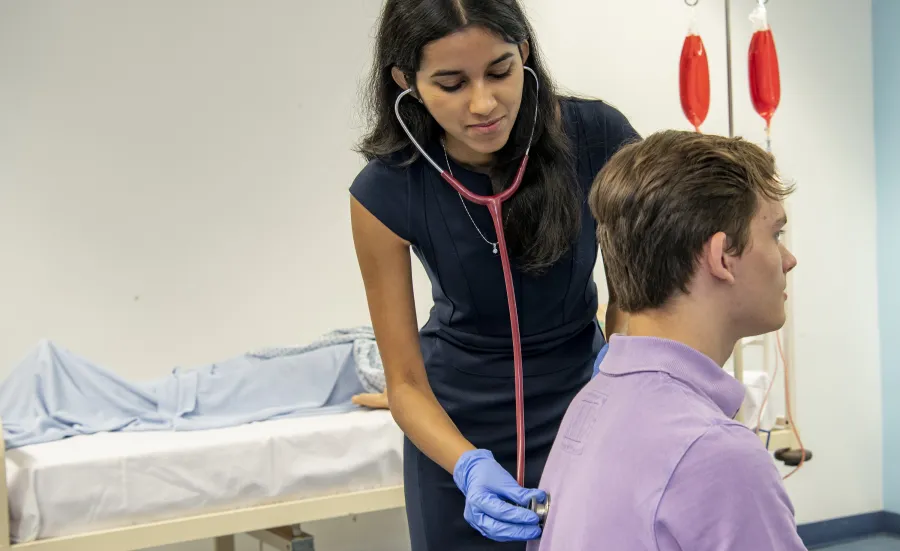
174,176
173,187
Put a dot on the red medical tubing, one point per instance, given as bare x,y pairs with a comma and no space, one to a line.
765,94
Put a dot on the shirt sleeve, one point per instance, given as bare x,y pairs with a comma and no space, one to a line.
384,191
606,130
726,495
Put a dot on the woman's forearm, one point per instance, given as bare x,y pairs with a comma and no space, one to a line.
424,421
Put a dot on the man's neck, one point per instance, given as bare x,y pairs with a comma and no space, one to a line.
701,332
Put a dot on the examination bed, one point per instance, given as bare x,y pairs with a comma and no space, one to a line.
121,491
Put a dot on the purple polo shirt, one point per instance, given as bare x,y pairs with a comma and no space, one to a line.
648,457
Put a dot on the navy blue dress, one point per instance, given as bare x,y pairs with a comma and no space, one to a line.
466,342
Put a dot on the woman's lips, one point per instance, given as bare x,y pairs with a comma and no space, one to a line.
487,127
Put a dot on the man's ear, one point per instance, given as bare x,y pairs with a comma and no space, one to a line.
719,261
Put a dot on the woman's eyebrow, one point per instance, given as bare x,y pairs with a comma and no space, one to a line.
451,73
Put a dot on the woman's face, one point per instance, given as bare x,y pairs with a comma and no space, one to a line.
471,82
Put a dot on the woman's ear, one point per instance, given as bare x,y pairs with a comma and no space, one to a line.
402,82
524,51
399,77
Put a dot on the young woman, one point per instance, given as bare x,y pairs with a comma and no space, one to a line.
450,384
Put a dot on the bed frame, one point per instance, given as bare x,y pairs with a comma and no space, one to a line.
274,523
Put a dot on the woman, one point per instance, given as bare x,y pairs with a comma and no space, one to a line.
450,385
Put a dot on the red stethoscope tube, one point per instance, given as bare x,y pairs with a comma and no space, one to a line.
494,203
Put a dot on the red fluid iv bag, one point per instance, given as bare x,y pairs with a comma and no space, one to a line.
765,81
694,80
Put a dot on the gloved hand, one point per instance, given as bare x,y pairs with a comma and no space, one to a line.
599,359
488,488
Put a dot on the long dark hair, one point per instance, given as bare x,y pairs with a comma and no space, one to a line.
543,218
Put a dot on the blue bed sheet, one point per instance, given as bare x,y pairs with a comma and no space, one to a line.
54,393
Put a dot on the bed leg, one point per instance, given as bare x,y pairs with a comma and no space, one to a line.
289,538
224,543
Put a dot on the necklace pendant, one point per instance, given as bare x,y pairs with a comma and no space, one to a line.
495,248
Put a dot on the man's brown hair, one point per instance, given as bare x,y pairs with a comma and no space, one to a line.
658,201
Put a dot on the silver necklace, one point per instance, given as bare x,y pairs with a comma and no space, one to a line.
463,201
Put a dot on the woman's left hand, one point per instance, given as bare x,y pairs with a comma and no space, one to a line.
374,401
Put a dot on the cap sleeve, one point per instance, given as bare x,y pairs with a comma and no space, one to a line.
384,191
606,130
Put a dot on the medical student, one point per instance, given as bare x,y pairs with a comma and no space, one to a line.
450,384
649,455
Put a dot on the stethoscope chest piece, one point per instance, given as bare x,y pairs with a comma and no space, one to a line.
541,509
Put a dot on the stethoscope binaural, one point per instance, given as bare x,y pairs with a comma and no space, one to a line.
494,204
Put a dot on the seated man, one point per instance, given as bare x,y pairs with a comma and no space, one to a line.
648,456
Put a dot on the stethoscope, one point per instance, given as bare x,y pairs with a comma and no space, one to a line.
494,204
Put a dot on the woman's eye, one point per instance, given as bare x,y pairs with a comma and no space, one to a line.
452,88
457,86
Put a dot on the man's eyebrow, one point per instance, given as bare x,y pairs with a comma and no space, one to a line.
451,73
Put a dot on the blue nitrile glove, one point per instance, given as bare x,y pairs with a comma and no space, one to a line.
489,488
599,359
